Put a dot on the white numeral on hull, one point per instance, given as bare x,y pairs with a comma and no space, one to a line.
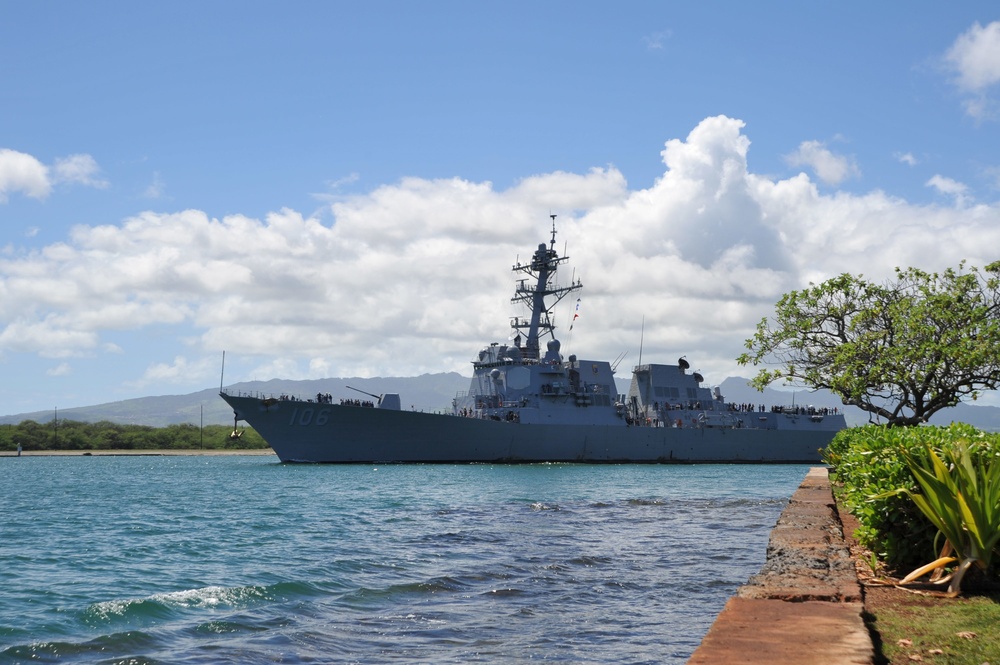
305,417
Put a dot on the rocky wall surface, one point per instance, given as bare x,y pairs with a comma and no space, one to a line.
805,604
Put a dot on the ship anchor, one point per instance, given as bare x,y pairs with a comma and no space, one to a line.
236,433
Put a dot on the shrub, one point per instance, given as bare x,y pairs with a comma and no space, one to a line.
871,462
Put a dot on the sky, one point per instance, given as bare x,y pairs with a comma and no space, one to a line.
340,189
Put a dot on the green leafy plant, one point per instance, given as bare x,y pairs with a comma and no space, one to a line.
866,462
960,495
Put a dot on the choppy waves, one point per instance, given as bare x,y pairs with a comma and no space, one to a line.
412,564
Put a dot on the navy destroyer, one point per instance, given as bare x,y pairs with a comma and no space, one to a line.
528,403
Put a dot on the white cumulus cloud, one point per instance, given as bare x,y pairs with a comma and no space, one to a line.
178,370
20,172
974,58
948,186
414,277
80,169
24,173
831,168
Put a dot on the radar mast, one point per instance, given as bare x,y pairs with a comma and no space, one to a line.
540,293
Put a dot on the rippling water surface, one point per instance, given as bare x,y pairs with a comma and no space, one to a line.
244,560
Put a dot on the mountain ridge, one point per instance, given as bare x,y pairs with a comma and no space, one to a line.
427,392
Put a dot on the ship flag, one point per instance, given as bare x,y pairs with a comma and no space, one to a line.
576,314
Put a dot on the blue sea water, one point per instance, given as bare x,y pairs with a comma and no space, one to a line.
239,559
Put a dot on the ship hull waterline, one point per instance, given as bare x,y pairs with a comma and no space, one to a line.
329,433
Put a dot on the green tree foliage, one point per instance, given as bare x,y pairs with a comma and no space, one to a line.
901,350
104,435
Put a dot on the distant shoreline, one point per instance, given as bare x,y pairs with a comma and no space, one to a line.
133,453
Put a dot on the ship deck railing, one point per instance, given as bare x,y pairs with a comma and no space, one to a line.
280,397
334,401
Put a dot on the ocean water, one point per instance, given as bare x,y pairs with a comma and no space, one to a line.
243,560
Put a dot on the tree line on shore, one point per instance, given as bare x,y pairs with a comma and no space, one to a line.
106,435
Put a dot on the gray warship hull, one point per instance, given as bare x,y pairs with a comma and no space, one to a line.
300,431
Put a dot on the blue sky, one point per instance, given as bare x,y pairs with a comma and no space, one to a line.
339,189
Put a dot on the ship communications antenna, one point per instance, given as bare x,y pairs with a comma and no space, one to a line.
642,333
223,373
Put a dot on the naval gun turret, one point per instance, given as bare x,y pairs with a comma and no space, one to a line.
384,401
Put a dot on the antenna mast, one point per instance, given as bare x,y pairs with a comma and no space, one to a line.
642,333
533,290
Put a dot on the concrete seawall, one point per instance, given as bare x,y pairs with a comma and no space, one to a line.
805,605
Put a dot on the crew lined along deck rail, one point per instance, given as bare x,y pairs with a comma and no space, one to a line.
497,409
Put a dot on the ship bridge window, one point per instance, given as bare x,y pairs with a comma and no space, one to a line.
692,393
660,391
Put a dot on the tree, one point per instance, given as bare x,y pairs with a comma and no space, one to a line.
900,350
